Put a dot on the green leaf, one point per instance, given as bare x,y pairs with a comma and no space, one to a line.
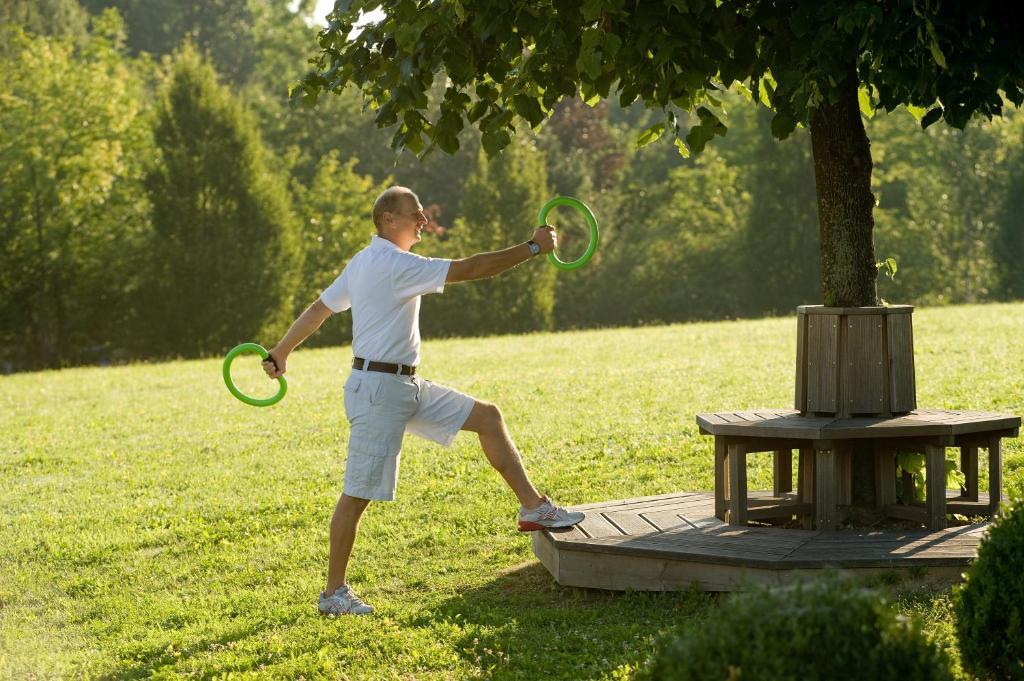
495,140
954,477
782,125
866,106
744,90
683,149
528,108
460,11
937,55
651,134
477,111
916,111
592,10
890,266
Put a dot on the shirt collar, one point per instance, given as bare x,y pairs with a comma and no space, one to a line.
381,242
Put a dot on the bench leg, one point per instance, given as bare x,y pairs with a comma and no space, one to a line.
805,484
885,476
824,489
969,467
995,475
935,474
782,478
720,477
737,455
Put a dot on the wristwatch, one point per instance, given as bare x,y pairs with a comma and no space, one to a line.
534,247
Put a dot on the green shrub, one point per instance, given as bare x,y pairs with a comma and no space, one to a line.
828,629
990,603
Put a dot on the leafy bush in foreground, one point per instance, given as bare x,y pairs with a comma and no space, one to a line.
829,629
990,604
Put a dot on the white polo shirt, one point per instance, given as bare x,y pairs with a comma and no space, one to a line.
383,284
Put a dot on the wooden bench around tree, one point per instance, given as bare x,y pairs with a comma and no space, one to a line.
826,445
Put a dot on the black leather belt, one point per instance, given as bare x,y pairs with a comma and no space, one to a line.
384,367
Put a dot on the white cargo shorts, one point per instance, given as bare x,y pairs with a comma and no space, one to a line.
381,409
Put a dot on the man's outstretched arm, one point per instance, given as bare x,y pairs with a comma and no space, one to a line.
301,329
483,265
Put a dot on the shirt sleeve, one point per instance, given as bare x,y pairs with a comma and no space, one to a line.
414,275
337,296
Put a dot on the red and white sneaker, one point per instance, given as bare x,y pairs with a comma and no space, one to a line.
547,516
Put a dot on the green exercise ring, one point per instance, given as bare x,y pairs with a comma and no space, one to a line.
259,350
591,222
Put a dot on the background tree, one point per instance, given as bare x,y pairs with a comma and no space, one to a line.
70,211
222,29
499,208
336,211
780,242
224,249
1008,246
43,17
814,63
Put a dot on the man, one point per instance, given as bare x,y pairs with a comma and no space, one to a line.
384,398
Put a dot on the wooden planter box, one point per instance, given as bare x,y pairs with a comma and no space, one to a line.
855,360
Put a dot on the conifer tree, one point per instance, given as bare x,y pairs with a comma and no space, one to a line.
499,209
225,238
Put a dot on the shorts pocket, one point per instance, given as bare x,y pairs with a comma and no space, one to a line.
370,468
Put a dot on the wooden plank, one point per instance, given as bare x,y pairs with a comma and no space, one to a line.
737,456
779,511
844,471
904,512
630,522
886,369
720,457
841,345
967,507
619,572
805,483
935,476
655,500
969,467
995,474
801,362
695,544
596,525
867,310
862,368
822,349
824,489
885,476
902,389
782,471
570,534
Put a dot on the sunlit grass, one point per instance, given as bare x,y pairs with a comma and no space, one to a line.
154,526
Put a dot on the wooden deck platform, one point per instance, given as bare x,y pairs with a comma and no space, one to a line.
672,541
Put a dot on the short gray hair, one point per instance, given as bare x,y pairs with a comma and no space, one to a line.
389,201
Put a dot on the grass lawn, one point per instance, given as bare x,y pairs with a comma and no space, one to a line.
153,526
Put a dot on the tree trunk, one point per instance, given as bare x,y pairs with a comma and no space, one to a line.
842,173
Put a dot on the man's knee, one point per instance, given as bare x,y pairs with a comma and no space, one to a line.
485,418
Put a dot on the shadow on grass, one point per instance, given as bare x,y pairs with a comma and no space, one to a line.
523,624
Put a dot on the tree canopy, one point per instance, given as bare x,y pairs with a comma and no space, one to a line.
509,61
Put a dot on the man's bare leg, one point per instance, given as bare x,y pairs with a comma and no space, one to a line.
344,524
486,421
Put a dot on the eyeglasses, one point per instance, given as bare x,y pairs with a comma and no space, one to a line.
414,214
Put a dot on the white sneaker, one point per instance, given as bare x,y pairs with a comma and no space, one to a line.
547,515
343,602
